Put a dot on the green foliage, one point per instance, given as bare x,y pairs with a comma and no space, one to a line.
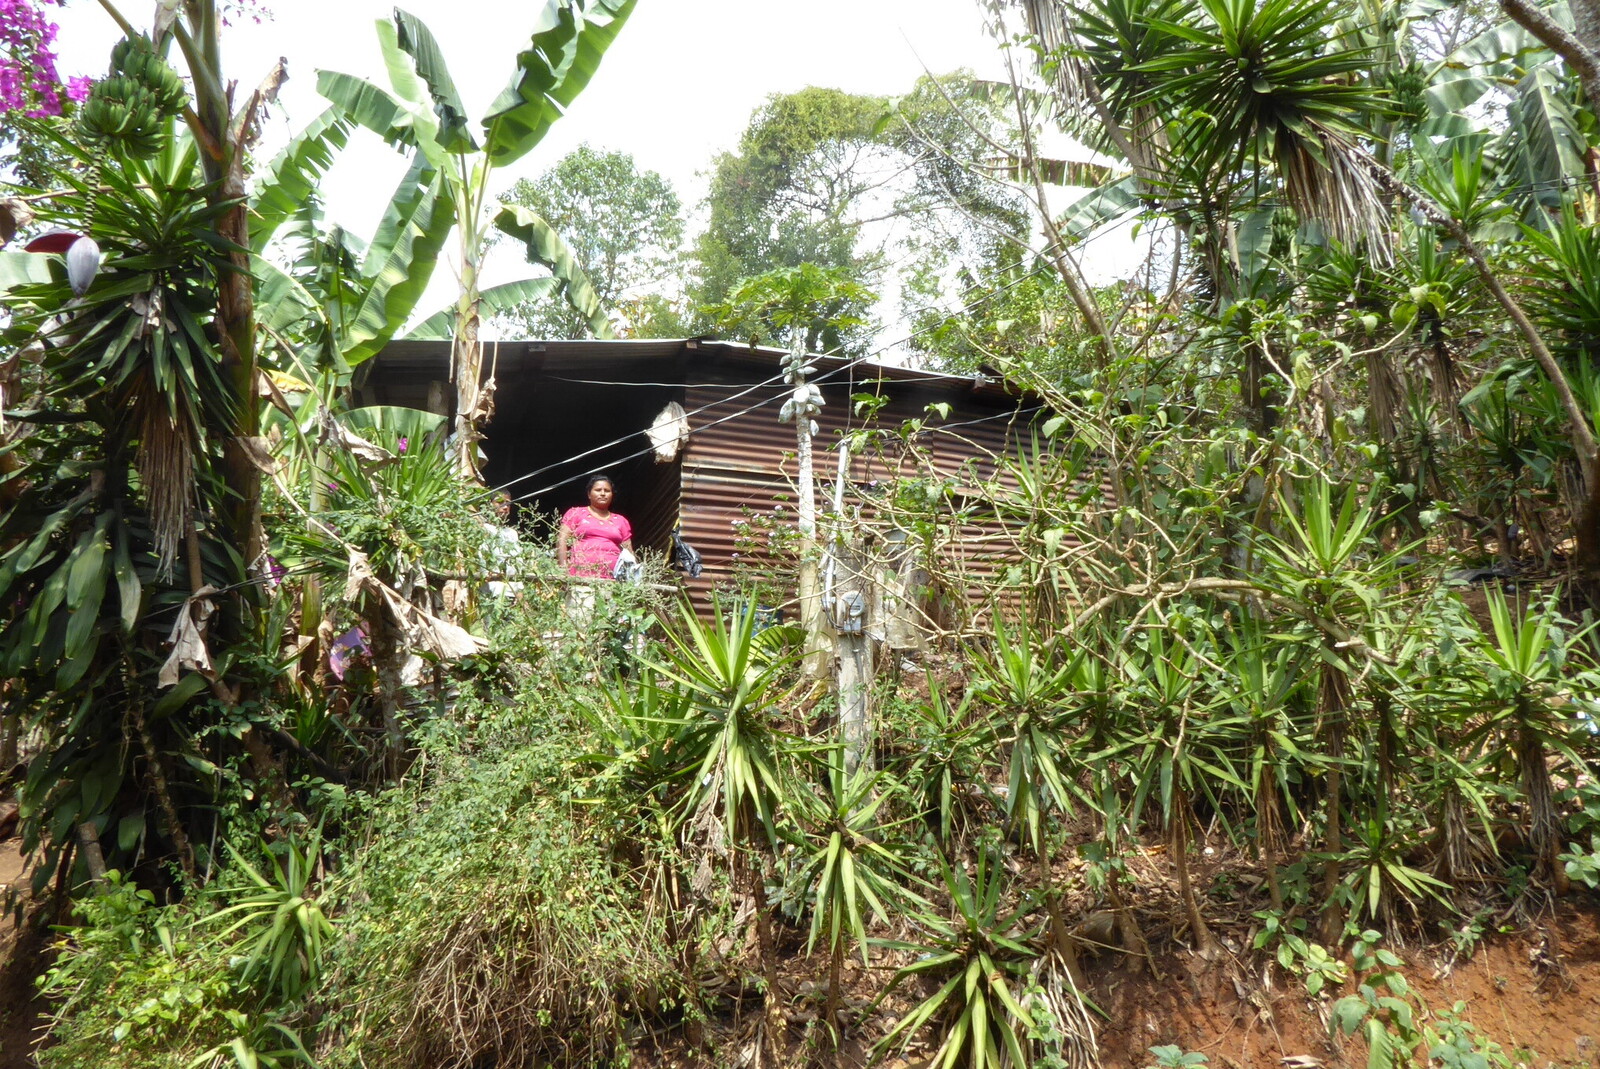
730,741
153,986
806,304
623,226
279,919
1172,1057
981,957
1296,955
494,920
842,865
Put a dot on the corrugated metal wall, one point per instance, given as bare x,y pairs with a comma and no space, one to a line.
740,465
559,398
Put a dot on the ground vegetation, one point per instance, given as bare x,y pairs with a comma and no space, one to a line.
1276,680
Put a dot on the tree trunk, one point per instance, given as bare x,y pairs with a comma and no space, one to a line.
163,793
815,653
1577,50
777,1025
1334,701
1544,827
1178,844
1587,524
1267,833
466,364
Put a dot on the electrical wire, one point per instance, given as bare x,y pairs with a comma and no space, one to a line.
1042,269
673,385
824,376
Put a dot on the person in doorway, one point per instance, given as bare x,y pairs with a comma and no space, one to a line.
593,537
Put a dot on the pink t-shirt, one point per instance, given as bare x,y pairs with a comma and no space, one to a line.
596,543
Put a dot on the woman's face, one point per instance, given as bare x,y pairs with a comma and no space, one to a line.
600,495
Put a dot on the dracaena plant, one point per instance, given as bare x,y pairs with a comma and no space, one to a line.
118,505
848,864
1525,690
982,956
735,754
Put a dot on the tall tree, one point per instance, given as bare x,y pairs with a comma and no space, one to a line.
861,184
624,227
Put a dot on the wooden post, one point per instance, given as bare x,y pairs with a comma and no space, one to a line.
802,405
847,599
855,664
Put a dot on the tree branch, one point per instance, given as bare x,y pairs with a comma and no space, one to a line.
1563,42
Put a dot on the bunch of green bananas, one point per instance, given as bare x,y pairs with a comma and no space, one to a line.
131,107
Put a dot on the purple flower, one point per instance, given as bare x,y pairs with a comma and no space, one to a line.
78,89
29,82
275,571
333,487
403,444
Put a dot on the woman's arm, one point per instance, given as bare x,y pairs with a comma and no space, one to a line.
563,538
627,544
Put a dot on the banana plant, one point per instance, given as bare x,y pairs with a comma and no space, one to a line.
452,168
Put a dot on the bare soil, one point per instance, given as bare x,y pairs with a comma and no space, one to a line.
1535,993
24,955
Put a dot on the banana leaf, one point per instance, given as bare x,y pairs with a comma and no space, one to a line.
400,260
415,39
368,105
441,325
558,64
290,180
545,248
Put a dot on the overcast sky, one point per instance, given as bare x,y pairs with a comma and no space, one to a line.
678,85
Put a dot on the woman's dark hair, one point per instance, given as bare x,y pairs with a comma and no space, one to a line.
598,477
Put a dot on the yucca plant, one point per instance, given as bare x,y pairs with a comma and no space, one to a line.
735,753
1523,692
1183,747
1328,571
1379,878
982,955
731,739
950,744
1262,681
846,865
1275,85
1027,678
280,920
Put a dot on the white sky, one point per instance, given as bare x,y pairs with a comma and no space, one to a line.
677,87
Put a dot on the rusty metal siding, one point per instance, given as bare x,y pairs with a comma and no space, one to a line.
740,461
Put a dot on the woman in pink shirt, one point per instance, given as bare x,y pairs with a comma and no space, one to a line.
592,536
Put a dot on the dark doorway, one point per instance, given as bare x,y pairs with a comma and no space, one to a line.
550,434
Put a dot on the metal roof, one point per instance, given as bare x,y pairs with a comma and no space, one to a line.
429,359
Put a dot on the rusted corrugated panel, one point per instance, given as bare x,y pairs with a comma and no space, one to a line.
740,461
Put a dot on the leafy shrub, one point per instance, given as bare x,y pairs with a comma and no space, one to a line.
146,987
492,925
